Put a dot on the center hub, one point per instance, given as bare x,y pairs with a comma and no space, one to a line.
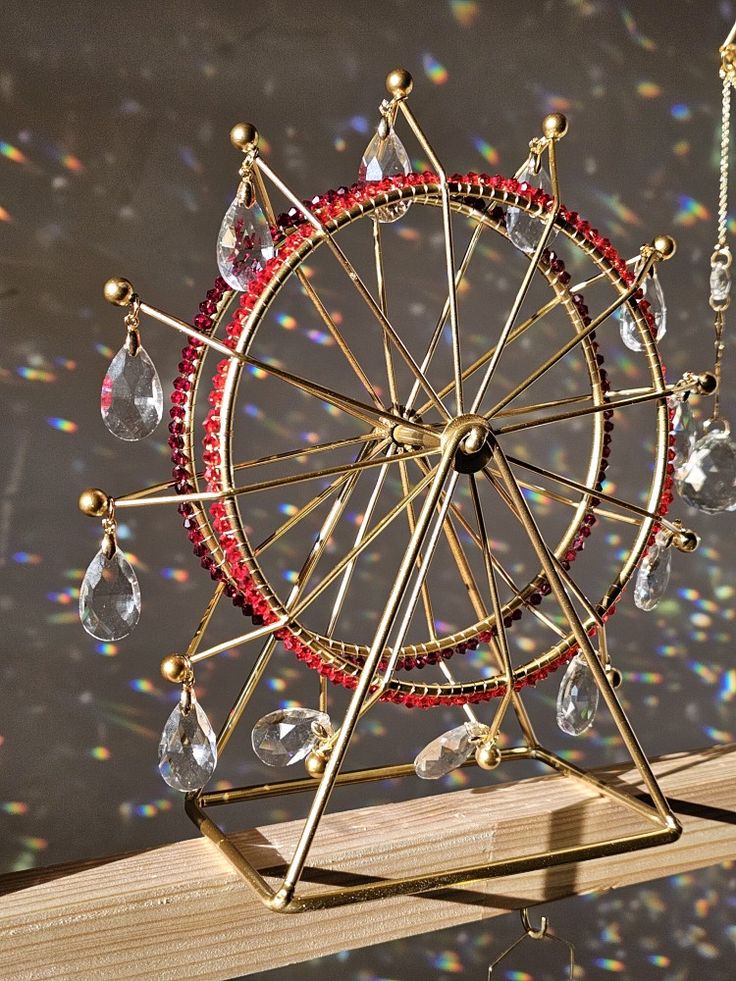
476,444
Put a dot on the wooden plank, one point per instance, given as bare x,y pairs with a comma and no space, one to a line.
180,911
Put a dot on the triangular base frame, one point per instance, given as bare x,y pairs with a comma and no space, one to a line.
285,897
665,830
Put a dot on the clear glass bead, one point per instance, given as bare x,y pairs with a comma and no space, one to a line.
109,597
187,752
287,736
525,230
654,295
707,481
447,752
244,244
577,698
720,282
653,576
683,430
385,157
132,400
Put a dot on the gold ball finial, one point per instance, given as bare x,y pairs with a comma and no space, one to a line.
554,126
315,764
176,668
707,383
614,676
118,291
244,136
94,502
686,540
488,756
399,83
665,245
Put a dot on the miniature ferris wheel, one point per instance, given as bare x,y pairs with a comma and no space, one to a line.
404,504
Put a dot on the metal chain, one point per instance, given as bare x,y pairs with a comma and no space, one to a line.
725,146
721,259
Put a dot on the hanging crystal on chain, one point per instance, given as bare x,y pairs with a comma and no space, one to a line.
132,399
109,597
523,229
187,751
385,156
654,296
707,480
245,242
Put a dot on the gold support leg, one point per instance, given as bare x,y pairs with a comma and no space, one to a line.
594,664
380,640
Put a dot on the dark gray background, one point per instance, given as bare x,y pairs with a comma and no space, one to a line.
115,159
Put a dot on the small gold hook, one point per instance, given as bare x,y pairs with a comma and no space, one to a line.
535,933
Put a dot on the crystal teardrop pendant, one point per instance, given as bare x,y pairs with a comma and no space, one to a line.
385,157
653,294
683,430
187,752
708,478
109,598
286,736
653,576
447,752
244,244
523,229
577,698
132,400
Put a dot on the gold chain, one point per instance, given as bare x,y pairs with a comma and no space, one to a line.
725,146
721,259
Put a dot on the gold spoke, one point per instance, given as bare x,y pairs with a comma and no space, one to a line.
486,357
501,637
367,540
515,307
439,326
205,620
263,485
577,339
367,515
478,606
307,508
648,396
584,489
359,285
263,460
381,285
311,293
449,251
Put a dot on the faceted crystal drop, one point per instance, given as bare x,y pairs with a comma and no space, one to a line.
577,699
653,576
652,289
385,157
109,598
524,230
187,753
244,245
720,282
446,752
132,400
288,735
683,430
708,479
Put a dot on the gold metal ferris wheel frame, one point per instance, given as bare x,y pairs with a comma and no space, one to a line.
429,522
